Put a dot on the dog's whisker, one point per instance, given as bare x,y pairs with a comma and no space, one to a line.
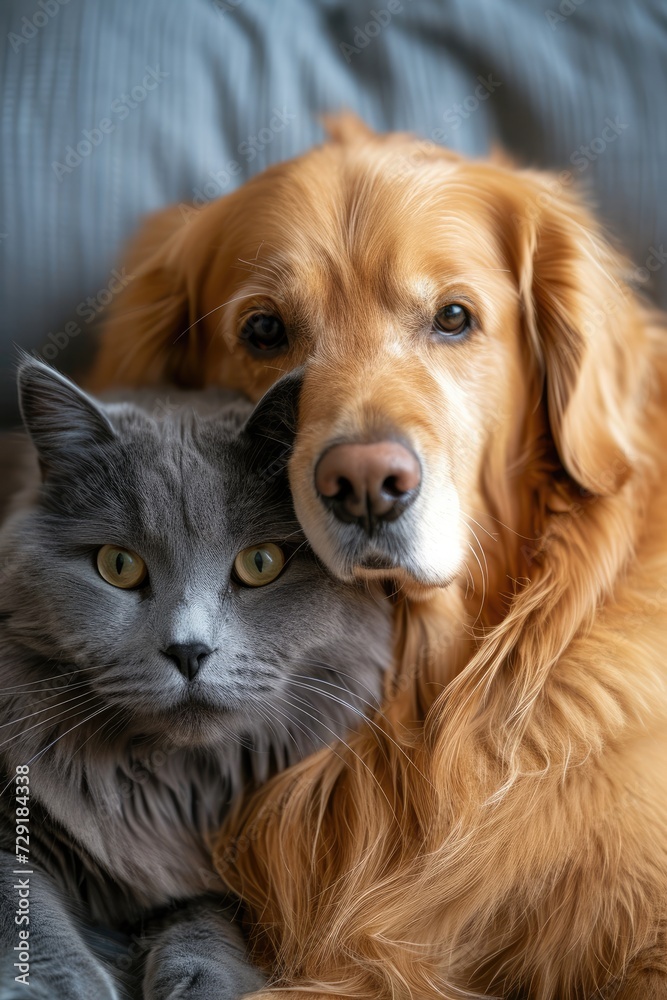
470,581
503,524
469,517
236,298
482,573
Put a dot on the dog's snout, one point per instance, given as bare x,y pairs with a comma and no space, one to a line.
368,483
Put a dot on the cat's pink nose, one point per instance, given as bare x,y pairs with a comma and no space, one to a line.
368,483
188,657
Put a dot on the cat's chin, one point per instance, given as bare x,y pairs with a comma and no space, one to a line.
195,725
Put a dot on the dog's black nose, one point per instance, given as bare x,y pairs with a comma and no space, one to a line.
188,657
368,483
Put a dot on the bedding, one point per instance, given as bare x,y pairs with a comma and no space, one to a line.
110,111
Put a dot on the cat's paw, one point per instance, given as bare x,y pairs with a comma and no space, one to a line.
177,977
87,981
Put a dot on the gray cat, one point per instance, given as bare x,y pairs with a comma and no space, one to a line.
166,639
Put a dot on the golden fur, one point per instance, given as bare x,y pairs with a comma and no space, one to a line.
501,828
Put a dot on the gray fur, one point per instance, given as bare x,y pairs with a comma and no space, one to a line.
132,768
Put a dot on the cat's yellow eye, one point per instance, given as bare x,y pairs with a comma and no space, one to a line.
120,567
259,565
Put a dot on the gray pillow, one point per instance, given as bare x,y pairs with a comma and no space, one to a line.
111,109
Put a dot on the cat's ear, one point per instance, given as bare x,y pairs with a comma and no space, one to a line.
62,420
275,416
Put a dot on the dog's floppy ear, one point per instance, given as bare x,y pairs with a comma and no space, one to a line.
147,331
586,328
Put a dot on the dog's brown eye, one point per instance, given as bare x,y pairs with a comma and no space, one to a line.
452,320
264,332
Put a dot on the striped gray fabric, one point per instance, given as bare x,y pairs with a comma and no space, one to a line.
111,109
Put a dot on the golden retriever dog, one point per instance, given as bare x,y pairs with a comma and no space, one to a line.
483,422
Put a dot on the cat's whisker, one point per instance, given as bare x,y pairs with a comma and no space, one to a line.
297,531
373,705
269,437
271,723
44,723
77,698
118,715
47,688
341,672
117,728
47,708
335,699
371,722
338,738
309,732
316,681
296,550
38,696
24,688
291,722
305,707
103,708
